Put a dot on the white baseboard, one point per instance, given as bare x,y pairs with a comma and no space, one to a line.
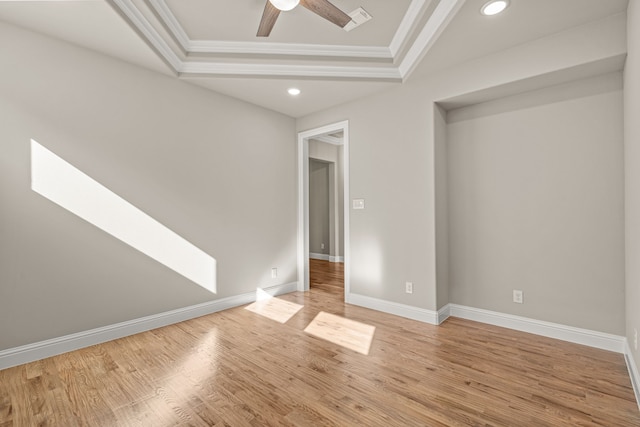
633,371
326,257
587,337
444,313
403,310
40,350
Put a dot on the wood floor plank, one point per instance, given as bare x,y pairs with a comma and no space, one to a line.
242,368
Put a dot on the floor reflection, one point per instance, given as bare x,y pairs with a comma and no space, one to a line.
275,309
347,333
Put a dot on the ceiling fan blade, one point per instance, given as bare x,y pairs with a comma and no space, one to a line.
328,11
269,17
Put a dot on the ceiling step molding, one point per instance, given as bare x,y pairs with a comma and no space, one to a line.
438,21
155,21
171,22
256,48
410,18
141,24
287,70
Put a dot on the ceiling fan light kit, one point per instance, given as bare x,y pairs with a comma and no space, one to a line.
284,5
322,8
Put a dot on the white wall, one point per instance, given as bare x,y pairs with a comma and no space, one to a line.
392,153
217,171
442,207
387,238
319,233
202,163
535,186
632,174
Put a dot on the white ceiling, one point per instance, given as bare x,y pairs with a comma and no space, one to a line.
471,35
212,43
303,46
238,21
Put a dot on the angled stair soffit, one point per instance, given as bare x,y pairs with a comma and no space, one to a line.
420,27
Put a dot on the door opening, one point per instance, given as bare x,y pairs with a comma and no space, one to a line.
335,134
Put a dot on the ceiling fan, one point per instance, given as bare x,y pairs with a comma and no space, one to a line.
322,8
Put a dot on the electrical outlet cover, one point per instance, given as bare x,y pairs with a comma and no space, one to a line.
518,296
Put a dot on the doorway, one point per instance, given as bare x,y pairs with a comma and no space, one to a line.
335,134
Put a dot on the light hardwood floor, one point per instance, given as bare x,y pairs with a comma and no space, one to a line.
327,276
239,368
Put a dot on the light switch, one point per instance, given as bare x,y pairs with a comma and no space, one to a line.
358,203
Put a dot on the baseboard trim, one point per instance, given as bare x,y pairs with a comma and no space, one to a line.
402,310
326,257
52,347
444,313
572,334
633,371
323,257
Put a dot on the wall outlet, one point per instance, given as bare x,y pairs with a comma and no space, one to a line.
408,287
274,273
635,339
321,245
518,296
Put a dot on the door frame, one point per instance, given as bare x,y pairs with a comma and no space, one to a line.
303,200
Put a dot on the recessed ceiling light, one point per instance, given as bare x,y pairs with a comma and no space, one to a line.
494,7
294,91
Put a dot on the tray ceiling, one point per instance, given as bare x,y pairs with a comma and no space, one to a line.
212,43
238,21
217,38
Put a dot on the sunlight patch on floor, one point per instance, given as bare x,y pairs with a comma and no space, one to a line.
274,308
347,333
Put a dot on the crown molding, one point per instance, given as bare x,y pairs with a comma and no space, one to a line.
261,48
140,22
410,18
161,12
170,20
257,48
290,70
438,21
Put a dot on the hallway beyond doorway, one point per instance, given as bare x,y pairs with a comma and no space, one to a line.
328,276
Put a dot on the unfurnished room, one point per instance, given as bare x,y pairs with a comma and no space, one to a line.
319,213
